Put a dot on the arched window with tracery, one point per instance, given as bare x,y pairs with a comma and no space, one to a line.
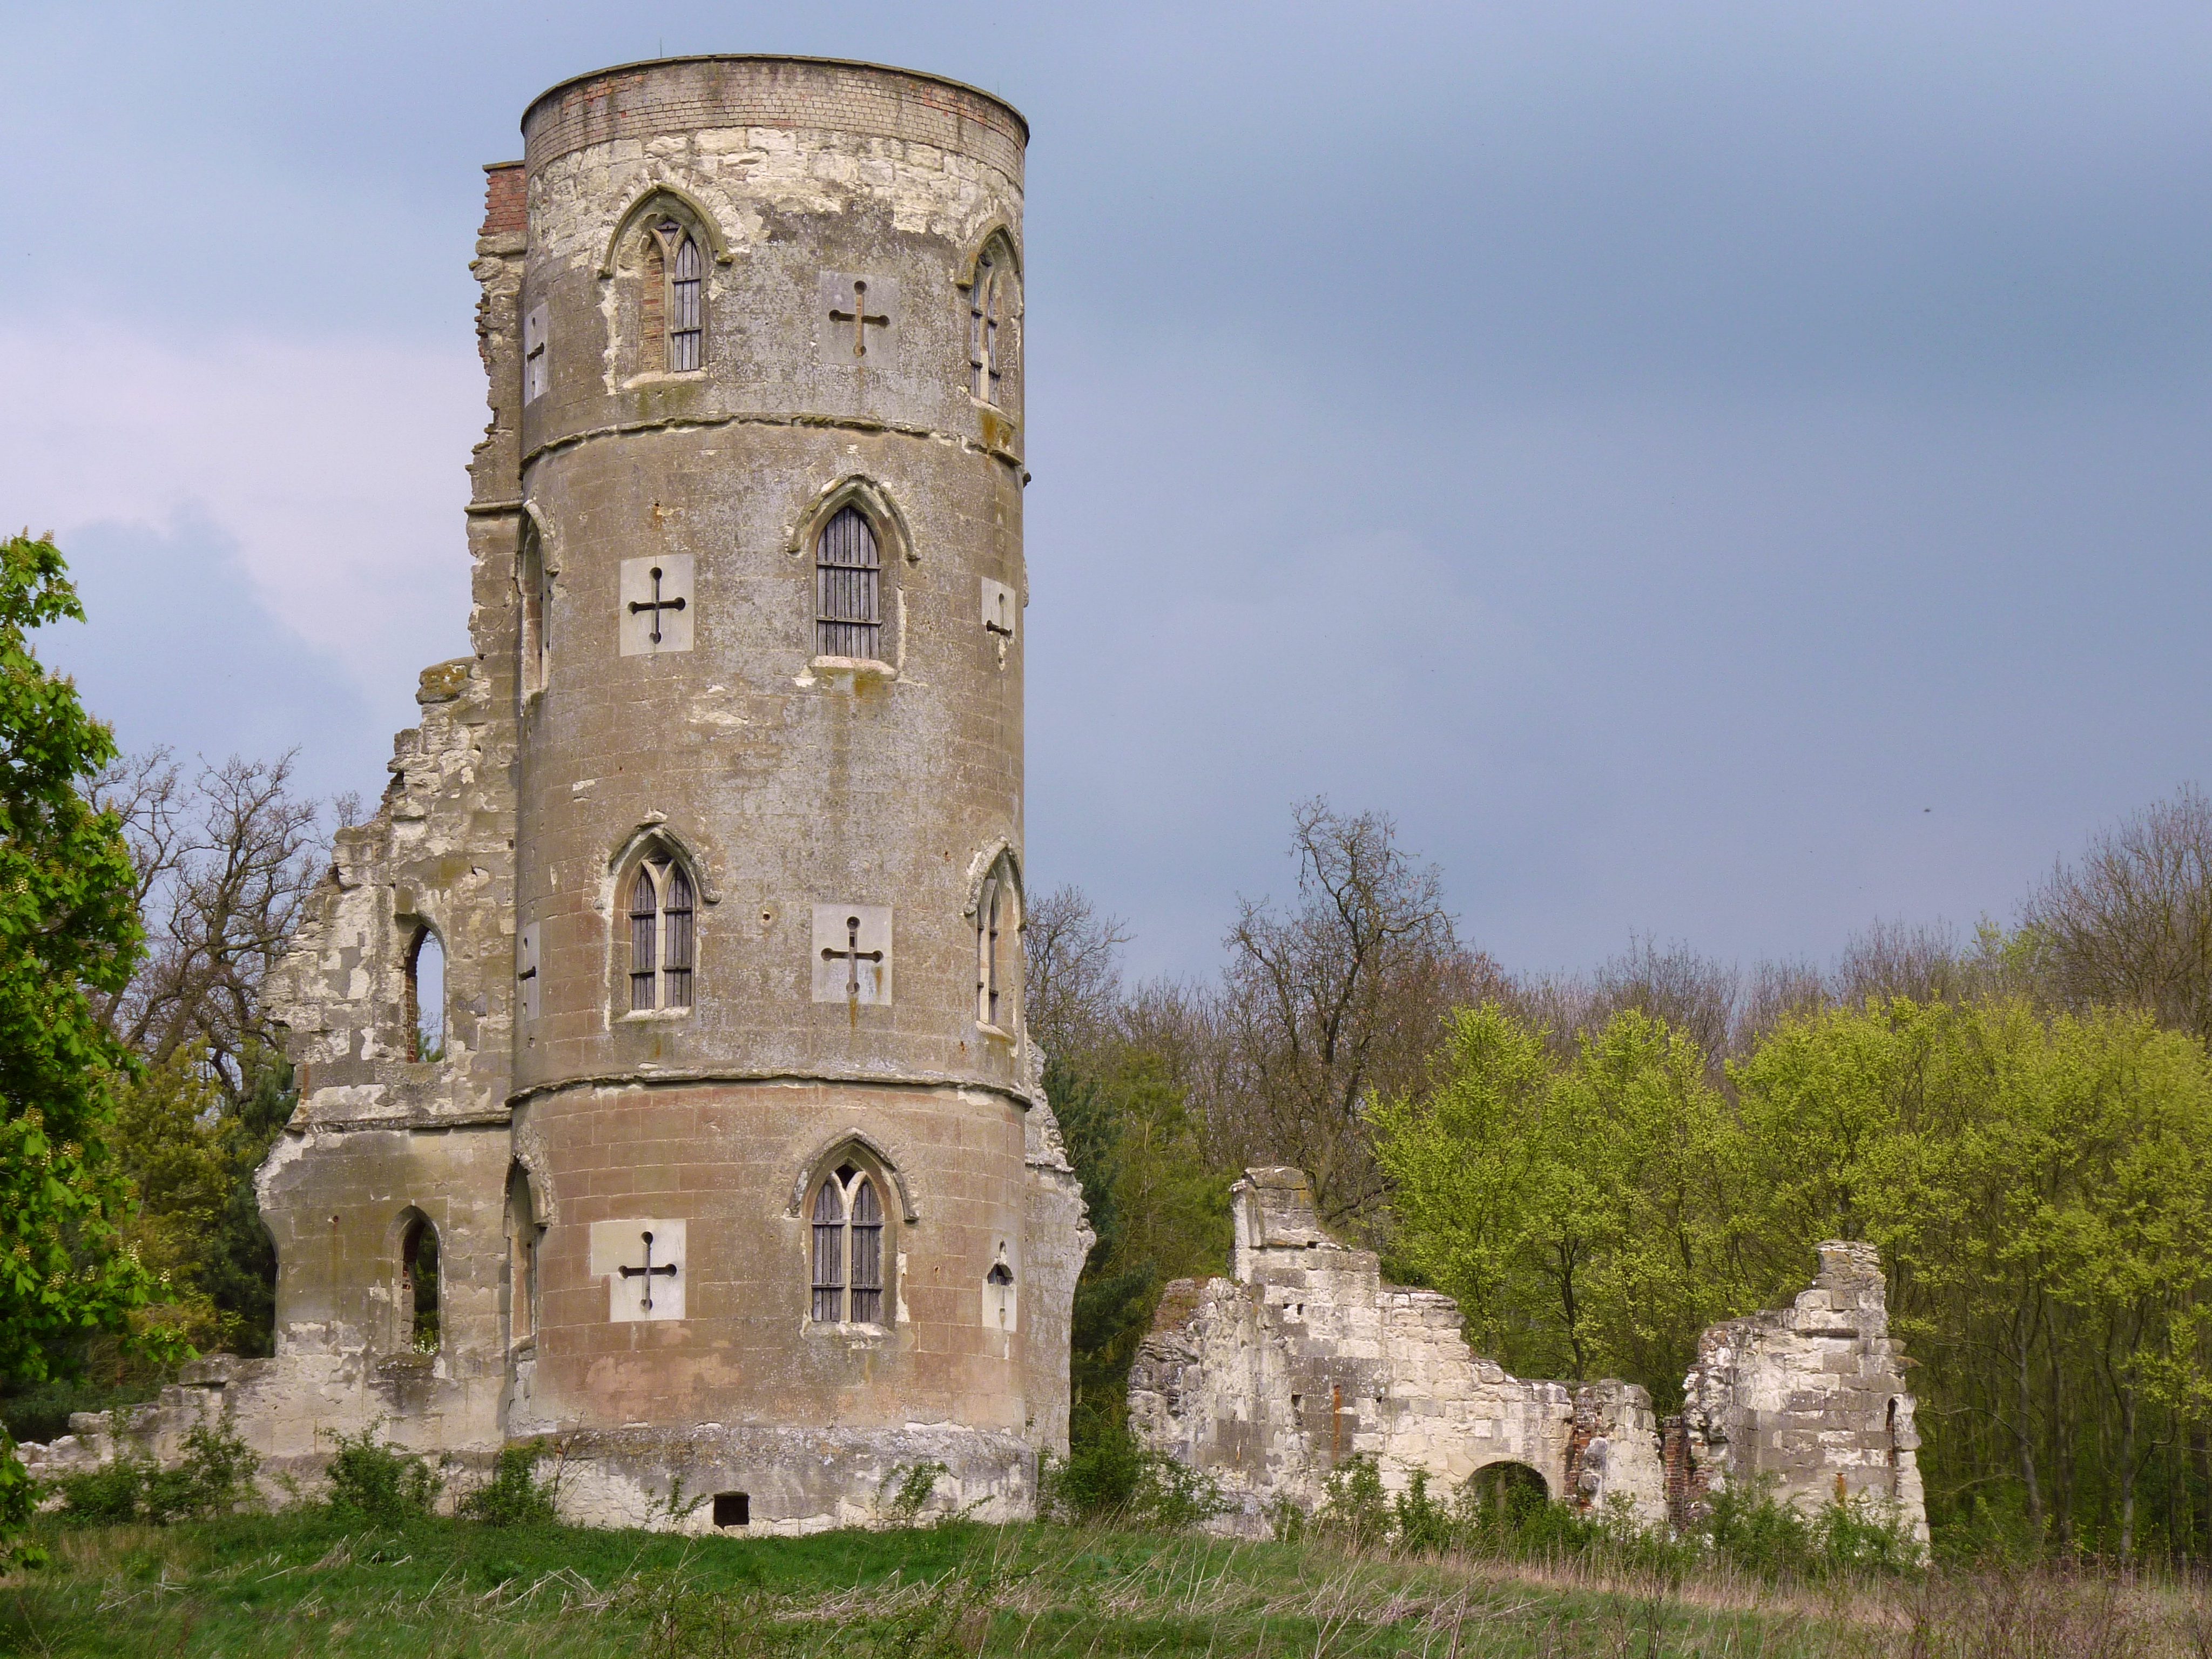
848,610
989,297
671,313
661,943
848,1254
997,948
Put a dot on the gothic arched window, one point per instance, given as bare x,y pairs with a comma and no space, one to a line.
671,300
987,298
847,1247
848,610
660,936
418,1283
998,945
423,1015
533,647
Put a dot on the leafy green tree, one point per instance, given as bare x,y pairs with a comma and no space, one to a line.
1573,1205
1159,1213
69,927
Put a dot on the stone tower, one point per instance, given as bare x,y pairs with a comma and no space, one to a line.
734,1165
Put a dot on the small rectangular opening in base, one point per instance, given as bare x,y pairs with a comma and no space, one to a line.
732,1508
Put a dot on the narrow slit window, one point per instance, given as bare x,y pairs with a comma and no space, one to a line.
849,589
644,928
533,647
676,909
867,1254
653,307
424,1010
685,328
418,1285
998,916
829,1253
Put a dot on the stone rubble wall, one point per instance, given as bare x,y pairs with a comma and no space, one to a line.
1271,1380
1809,1400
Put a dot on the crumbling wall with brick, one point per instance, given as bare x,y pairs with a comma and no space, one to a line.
1272,1379
1808,1401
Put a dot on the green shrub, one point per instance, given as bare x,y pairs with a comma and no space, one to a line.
382,1482
514,1497
1108,1476
1353,1506
1418,1524
114,1493
214,1477
916,1486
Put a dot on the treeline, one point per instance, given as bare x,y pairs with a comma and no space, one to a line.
1599,1167
220,860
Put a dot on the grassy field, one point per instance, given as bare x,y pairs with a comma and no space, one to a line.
313,1582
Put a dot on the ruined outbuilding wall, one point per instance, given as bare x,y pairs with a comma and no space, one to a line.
1273,1378
1808,1401
1270,1381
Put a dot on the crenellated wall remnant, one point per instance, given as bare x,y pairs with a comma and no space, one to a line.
1303,1359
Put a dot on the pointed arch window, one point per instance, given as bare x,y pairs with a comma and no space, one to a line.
671,299
987,303
533,645
848,612
998,930
418,1283
847,1255
661,943
423,1012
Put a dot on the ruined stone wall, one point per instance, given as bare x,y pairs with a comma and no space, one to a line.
1809,1399
1271,1379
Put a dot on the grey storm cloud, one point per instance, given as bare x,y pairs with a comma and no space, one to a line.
1724,472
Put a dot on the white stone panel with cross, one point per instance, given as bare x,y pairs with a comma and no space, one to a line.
856,320
852,953
643,1263
656,607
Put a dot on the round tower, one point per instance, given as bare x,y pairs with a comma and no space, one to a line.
790,1215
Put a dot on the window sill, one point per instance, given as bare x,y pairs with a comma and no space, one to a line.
998,1032
646,1016
824,1331
664,377
868,665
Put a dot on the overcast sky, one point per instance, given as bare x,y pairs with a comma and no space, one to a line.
1724,472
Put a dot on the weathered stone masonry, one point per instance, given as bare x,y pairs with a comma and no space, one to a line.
1302,1359
578,745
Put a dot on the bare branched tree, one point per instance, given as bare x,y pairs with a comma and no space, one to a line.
1920,960
1774,992
1072,957
1693,993
1337,998
2130,924
225,859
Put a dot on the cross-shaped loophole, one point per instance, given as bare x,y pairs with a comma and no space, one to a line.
656,606
859,317
649,1273
853,957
